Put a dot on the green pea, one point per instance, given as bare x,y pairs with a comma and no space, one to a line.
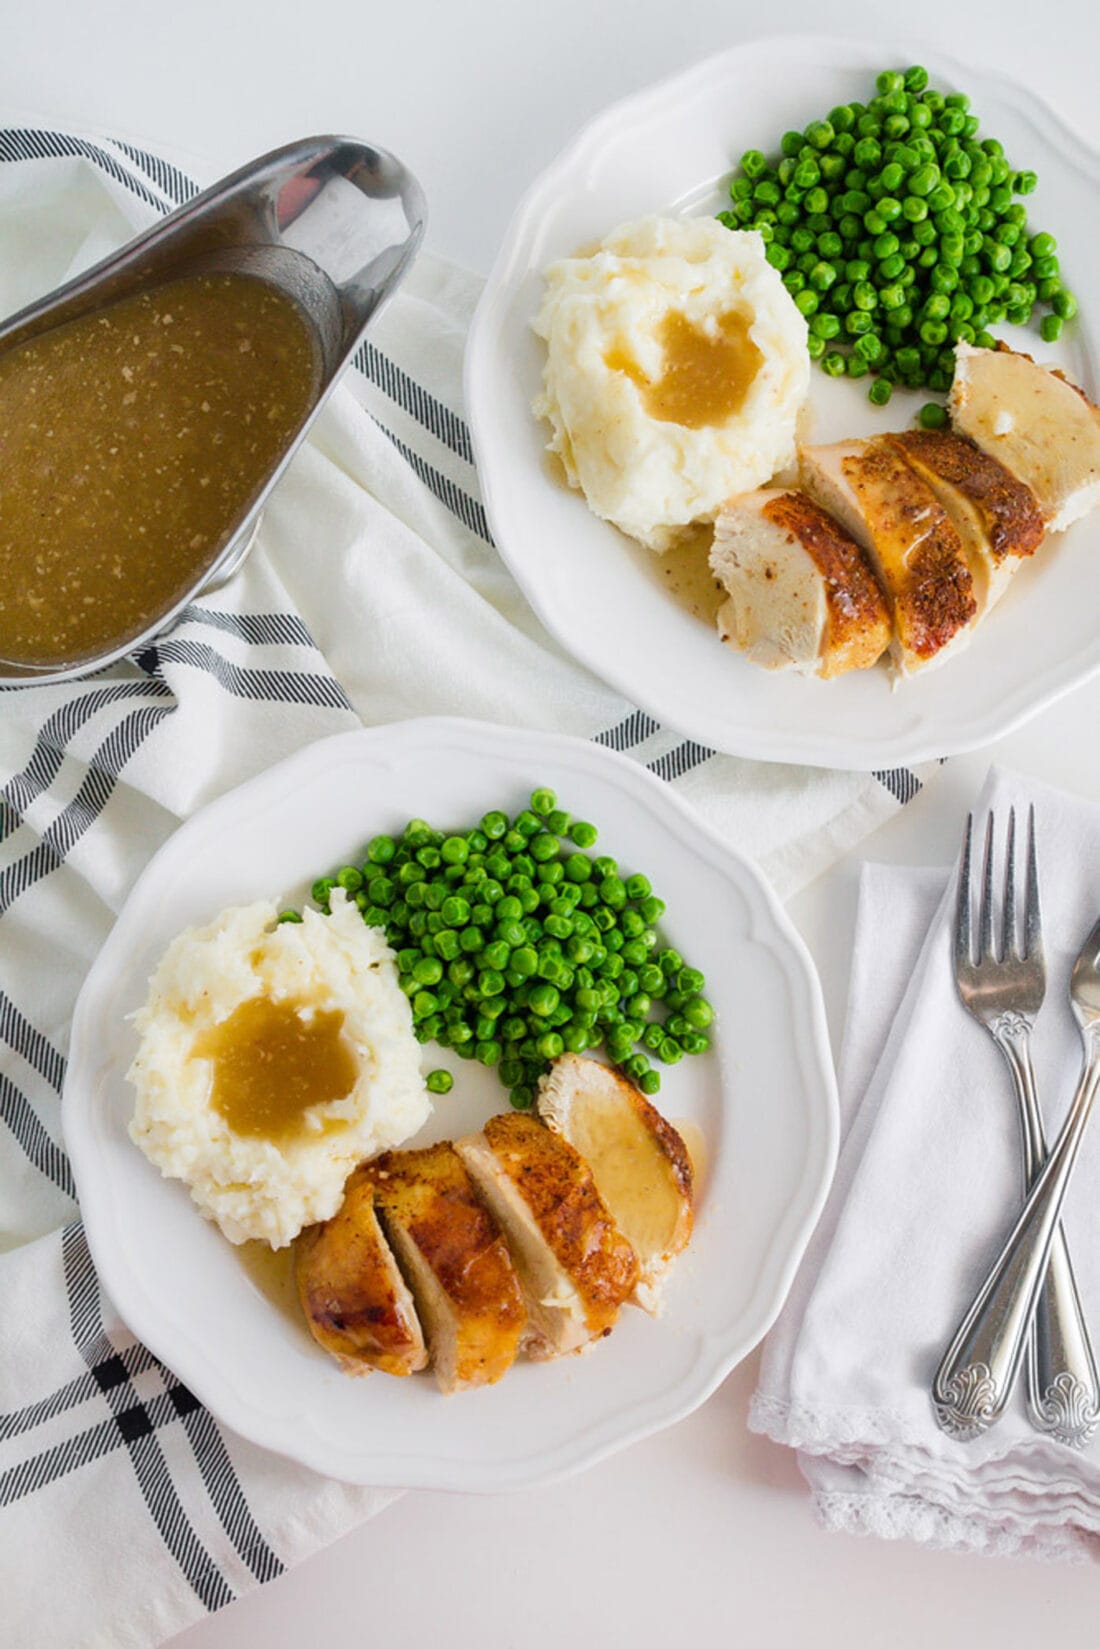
455,911
439,1082
932,416
693,1042
613,892
543,999
698,1012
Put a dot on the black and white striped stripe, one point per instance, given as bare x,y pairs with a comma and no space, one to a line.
902,784
675,763
111,1373
636,728
134,1359
25,1127
82,812
29,144
168,179
470,511
226,1494
245,682
429,412
58,730
259,629
134,1425
22,1037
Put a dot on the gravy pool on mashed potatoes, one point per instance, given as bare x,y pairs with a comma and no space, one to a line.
273,1059
676,370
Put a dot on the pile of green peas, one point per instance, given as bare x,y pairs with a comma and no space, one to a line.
515,945
895,231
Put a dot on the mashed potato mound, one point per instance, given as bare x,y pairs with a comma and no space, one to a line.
251,1186
650,450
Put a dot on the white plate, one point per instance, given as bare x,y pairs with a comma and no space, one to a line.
671,148
764,1098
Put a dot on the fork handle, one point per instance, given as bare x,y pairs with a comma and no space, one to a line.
979,1368
1063,1391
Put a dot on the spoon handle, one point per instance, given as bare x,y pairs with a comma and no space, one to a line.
1063,1394
973,1381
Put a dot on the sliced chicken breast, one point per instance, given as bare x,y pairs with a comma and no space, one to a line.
639,1162
1035,422
456,1263
914,549
575,1267
801,595
996,516
352,1293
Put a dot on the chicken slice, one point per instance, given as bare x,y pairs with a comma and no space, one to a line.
913,546
456,1263
996,516
353,1295
801,595
639,1162
575,1267
1035,422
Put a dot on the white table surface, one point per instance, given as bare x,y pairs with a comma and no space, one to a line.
704,1527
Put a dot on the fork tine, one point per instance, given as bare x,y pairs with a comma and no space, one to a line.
985,913
1033,927
962,904
1008,933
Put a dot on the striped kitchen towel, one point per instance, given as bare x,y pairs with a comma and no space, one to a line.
374,594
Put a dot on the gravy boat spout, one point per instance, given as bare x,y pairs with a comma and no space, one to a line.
332,223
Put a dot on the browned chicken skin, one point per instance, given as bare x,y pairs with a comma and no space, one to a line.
354,1297
456,1263
575,1266
916,550
997,517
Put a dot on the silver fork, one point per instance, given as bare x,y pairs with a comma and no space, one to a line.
1004,991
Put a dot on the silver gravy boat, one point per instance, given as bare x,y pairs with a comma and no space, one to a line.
331,222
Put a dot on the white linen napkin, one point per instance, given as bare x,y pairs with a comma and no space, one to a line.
374,594
927,1188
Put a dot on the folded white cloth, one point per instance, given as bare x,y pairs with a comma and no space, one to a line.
374,594
927,1188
